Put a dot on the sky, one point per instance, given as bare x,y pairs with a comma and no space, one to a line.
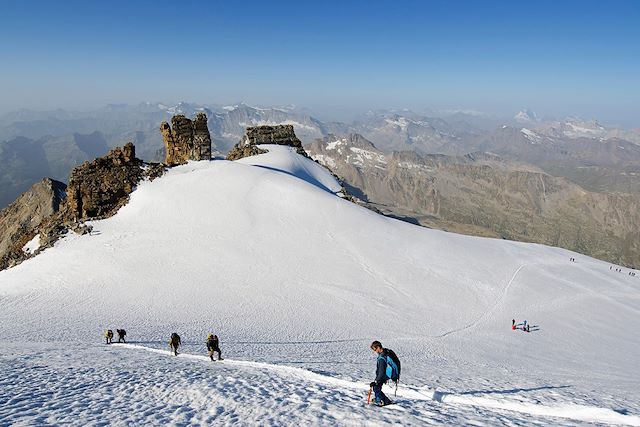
558,58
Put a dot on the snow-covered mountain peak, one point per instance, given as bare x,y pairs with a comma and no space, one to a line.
526,116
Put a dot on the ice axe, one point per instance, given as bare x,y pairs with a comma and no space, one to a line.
369,396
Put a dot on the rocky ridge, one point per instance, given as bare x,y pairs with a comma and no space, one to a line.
96,190
99,188
261,135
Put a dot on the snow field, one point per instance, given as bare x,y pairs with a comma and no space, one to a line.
264,254
130,383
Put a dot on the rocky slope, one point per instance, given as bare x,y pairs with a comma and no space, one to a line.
19,220
96,190
483,194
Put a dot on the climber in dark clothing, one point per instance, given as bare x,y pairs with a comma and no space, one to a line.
213,345
174,343
121,334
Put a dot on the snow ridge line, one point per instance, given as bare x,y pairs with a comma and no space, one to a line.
571,411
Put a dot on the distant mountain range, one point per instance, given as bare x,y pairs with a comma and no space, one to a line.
486,195
39,144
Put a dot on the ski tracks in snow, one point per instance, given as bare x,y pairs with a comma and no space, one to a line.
489,311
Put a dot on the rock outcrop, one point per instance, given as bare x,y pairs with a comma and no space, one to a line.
261,135
20,221
99,188
186,139
96,190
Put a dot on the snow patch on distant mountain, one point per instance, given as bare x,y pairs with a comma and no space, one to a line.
356,155
584,129
401,122
531,136
573,128
325,160
409,165
361,156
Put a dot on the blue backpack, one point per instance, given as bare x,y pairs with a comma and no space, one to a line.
393,365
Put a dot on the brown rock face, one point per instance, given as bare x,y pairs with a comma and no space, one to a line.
259,135
280,135
19,222
99,188
186,139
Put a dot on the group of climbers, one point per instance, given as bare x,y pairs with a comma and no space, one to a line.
109,335
387,362
213,343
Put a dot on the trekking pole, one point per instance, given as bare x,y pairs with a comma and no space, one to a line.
395,394
369,397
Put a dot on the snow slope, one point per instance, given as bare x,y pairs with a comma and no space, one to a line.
297,282
284,159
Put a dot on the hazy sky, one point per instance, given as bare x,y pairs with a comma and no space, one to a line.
557,58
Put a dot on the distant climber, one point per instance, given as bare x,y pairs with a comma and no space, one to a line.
174,343
213,346
121,334
387,368
109,336
513,324
528,328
